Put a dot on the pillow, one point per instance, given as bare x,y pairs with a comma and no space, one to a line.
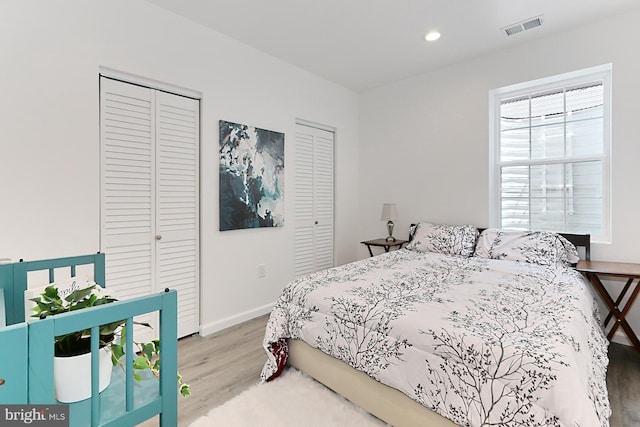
534,247
444,239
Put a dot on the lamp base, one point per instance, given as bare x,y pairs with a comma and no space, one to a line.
390,238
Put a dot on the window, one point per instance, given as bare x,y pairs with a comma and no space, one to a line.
550,154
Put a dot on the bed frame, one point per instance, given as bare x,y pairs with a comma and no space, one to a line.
27,351
580,241
380,400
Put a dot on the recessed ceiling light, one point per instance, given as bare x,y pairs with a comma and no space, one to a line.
432,36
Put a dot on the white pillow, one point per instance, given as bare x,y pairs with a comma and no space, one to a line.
444,239
534,247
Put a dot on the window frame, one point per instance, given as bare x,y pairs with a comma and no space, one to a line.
496,96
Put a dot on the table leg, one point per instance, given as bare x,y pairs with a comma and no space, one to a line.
625,325
618,300
619,315
370,251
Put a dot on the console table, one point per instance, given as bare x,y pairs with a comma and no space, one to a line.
593,270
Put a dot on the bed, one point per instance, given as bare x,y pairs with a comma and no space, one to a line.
462,327
27,351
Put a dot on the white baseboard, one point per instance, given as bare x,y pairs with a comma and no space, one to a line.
219,325
621,338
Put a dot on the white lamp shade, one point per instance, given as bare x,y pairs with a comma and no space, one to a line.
389,212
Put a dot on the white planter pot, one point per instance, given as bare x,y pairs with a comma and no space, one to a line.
72,375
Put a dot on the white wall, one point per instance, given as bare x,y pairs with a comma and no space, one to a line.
50,55
425,140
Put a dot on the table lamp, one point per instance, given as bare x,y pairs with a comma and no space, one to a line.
389,213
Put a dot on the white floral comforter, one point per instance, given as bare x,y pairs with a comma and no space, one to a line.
479,341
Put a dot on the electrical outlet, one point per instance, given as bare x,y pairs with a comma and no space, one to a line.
262,270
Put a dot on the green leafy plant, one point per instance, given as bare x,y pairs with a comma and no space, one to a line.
50,303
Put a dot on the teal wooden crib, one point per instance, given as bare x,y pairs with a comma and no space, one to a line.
27,351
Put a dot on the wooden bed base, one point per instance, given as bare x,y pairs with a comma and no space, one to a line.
382,401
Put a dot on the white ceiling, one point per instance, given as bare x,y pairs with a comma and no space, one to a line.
362,44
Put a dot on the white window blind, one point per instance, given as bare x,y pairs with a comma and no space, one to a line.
551,155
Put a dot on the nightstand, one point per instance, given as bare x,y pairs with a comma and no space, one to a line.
593,270
383,243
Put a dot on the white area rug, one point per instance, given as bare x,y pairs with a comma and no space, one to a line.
292,400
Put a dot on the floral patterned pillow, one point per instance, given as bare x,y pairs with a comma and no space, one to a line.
444,239
535,247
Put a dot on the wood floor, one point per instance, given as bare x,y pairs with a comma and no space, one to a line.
221,366
623,382
218,367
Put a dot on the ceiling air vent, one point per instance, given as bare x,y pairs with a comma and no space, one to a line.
514,29
523,26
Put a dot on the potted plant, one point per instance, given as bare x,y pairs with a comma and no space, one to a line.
73,351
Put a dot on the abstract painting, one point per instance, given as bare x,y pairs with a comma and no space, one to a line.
251,177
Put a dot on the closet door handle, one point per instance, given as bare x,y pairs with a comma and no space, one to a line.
158,237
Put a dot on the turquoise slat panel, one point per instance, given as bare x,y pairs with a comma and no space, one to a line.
28,375
99,270
3,314
40,375
169,353
95,376
150,396
13,279
46,264
19,286
13,364
6,284
129,353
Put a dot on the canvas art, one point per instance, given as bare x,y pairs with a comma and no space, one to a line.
251,177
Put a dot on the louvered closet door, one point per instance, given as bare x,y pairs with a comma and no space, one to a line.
314,200
127,200
149,195
177,169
